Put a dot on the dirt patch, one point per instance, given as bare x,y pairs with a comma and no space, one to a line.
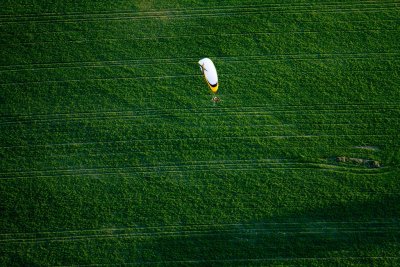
357,161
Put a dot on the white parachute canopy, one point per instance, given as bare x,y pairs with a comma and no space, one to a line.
210,73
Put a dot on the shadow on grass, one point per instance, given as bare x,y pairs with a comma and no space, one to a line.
361,232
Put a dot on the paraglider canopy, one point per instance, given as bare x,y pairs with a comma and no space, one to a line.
210,73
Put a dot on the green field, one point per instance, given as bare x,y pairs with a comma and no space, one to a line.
112,152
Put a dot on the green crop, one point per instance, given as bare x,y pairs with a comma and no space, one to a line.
113,153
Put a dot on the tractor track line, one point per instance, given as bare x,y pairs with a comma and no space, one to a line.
354,171
264,114
163,116
188,164
196,10
130,78
203,14
22,33
352,109
190,36
202,233
191,60
199,138
257,5
217,226
106,79
131,169
277,108
223,168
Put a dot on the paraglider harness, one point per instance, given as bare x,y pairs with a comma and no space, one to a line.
216,99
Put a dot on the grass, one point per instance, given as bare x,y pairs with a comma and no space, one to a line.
112,152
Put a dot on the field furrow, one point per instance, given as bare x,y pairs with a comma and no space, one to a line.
171,61
215,12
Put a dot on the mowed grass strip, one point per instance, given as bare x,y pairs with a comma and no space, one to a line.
112,152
